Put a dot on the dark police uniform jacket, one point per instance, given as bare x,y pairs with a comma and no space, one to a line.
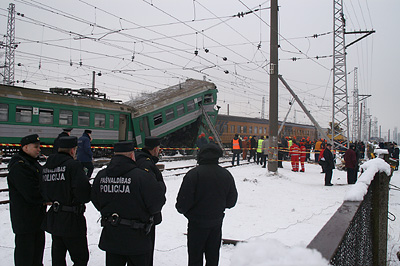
65,184
26,203
147,161
206,191
133,194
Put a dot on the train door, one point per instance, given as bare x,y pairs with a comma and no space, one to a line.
146,128
122,127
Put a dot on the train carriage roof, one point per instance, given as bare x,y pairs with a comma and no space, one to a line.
14,92
153,101
233,118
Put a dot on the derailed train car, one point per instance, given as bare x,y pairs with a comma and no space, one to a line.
174,113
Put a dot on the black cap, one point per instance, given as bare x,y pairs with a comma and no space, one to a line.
88,131
68,142
328,144
67,129
124,146
30,139
152,142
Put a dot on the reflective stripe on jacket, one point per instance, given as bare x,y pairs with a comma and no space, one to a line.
259,147
235,144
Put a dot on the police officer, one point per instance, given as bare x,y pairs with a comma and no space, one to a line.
66,132
128,198
84,153
147,158
26,203
66,187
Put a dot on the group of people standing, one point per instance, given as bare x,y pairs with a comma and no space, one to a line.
129,194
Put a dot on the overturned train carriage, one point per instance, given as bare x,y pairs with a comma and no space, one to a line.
173,113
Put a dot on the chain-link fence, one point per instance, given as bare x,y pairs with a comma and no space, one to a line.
356,235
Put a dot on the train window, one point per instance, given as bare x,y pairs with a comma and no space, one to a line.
46,116
180,109
190,105
83,119
111,121
99,120
250,130
23,114
169,114
244,129
255,130
232,129
157,119
65,117
3,112
208,98
265,130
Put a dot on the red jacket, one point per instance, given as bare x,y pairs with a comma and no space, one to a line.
350,159
294,150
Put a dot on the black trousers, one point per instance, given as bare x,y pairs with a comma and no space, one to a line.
328,176
76,246
252,155
89,166
29,249
351,176
132,260
259,157
235,155
280,159
205,241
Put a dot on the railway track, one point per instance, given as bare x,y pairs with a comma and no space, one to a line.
101,162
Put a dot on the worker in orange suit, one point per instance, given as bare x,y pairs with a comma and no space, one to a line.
294,156
303,154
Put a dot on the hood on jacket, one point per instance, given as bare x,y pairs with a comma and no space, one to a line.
209,154
120,165
57,159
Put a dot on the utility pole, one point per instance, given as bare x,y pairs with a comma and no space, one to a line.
10,47
263,108
273,89
355,105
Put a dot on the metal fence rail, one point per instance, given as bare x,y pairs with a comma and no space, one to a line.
356,235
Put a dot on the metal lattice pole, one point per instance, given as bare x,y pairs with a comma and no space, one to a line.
10,47
340,110
356,105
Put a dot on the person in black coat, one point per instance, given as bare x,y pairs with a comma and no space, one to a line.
128,198
85,153
66,187
147,158
328,164
27,210
66,133
205,193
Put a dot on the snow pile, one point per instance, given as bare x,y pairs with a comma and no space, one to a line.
370,168
274,253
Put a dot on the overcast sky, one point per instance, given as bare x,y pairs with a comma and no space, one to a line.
143,46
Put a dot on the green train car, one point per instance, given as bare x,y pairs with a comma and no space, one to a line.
173,113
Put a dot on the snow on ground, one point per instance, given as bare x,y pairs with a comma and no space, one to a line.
277,215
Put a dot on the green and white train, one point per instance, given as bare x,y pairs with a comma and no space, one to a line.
176,114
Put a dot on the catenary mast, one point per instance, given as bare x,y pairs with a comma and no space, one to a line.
9,64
